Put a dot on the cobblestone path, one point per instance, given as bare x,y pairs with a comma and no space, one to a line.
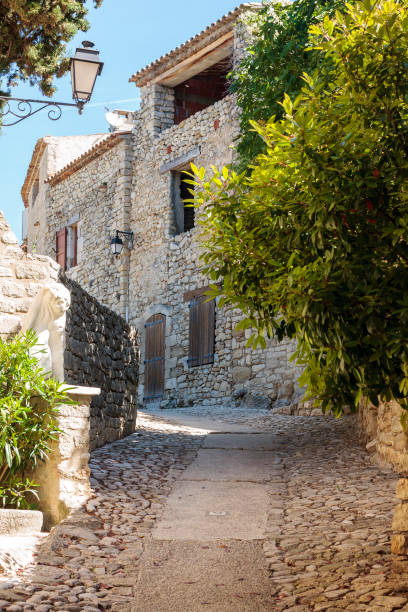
328,533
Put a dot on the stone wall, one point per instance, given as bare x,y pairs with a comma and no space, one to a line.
102,350
165,265
64,478
97,197
382,433
50,155
21,277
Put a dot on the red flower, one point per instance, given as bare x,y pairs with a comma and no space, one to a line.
372,221
376,173
369,205
344,219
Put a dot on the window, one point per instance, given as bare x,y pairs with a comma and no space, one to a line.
183,211
34,192
61,248
201,328
67,247
201,90
72,246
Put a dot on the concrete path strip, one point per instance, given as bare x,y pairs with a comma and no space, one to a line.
206,550
207,511
232,465
217,577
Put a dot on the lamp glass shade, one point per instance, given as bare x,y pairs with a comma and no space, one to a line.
116,245
85,67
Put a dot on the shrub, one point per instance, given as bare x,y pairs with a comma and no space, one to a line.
314,244
28,418
274,65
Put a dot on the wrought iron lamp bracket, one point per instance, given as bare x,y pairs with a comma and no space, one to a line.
24,109
128,235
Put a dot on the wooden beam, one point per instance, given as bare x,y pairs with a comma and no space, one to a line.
195,293
180,162
196,63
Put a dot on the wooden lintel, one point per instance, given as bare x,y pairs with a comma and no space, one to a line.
195,293
180,162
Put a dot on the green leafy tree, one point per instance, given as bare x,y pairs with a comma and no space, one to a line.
33,34
28,418
274,64
314,244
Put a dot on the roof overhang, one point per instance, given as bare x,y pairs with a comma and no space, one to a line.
198,62
212,45
33,170
97,150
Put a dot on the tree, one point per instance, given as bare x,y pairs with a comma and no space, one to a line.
274,65
314,244
33,34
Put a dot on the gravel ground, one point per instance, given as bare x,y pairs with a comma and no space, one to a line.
329,526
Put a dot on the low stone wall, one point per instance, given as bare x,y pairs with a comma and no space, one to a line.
381,431
102,350
299,408
64,478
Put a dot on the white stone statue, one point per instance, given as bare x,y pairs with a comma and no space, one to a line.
46,316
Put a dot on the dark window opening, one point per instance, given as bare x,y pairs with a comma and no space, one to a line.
34,193
201,90
187,206
183,210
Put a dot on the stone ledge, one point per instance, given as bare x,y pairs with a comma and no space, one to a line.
20,521
82,391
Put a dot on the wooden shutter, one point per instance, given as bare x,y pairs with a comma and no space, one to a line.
202,331
155,357
75,245
61,248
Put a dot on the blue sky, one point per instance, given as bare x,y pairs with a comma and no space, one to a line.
128,34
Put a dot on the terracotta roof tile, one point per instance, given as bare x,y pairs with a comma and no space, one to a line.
143,76
100,147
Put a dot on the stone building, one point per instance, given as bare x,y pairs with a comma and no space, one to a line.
133,179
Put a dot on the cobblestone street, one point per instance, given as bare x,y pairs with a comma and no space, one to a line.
328,522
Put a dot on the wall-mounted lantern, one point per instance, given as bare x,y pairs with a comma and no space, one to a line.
116,244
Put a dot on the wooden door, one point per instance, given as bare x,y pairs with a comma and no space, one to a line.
154,357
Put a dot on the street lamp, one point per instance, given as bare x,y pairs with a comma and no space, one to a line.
116,244
85,67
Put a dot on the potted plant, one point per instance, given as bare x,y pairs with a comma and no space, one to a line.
29,403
